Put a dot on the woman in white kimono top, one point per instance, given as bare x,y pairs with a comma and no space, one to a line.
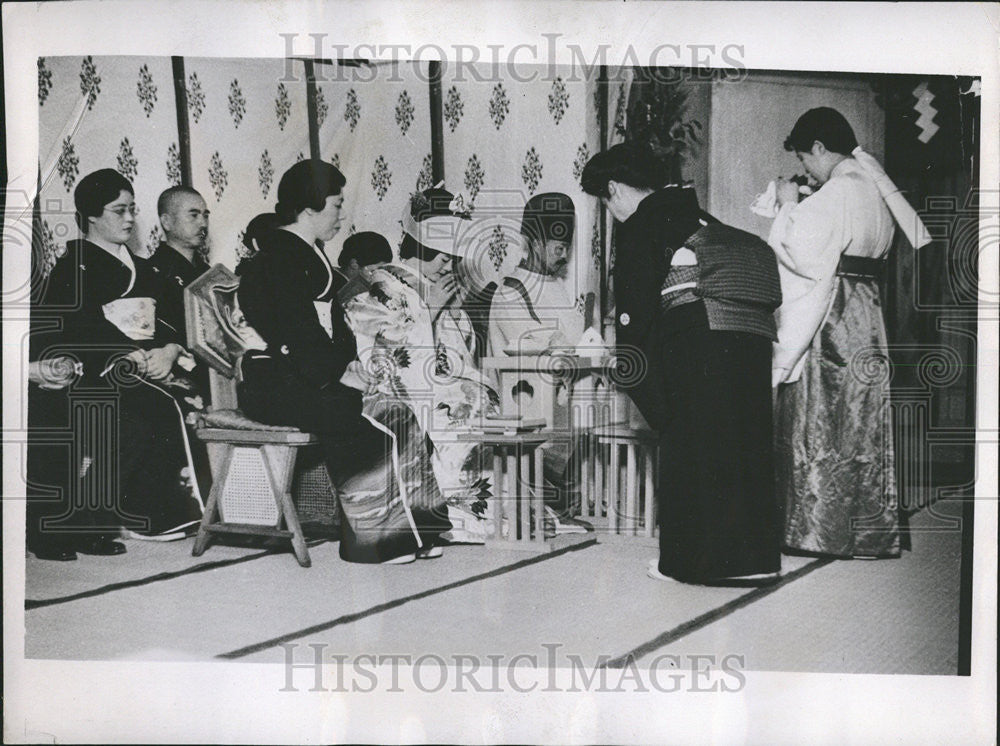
834,451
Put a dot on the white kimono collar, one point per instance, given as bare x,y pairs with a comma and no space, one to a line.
329,270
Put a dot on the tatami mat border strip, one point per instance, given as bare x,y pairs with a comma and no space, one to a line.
395,603
714,615
30,604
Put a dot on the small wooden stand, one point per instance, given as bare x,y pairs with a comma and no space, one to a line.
518,487
619,473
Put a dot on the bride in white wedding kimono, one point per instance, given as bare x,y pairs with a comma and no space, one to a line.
418,346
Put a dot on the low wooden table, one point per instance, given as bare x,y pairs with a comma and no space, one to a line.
518,491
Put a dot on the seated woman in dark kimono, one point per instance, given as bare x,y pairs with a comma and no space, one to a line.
695,302
287,294
98,307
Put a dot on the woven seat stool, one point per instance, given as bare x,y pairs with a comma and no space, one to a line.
257,488
251,493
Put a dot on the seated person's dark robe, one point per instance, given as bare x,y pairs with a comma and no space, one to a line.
125,447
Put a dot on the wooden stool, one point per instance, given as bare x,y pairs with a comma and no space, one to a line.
620,464
253,465
252,487
518,486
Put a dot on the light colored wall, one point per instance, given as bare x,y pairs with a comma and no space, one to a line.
695,162
750,120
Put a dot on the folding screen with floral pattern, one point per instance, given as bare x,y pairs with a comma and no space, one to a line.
505,139
509,137
248,124
105,112
374,125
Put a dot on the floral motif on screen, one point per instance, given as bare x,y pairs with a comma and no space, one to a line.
474,177
128,166
499,105
381,177
237,104
558,100
453,108
582,156
68,164
335,159
44,81
90,81
322,107
404,112
217,175
195,97
50,252
497,247
265,173
425,179
282,106
531,171
145,89
352,110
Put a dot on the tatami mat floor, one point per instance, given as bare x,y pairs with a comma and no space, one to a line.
592,601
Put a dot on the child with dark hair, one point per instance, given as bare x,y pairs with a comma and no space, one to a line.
363,250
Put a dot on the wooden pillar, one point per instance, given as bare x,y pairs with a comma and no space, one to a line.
437,122
183,127
311,109
602,122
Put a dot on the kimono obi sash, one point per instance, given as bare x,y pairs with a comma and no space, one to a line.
679,285
135,317
861,267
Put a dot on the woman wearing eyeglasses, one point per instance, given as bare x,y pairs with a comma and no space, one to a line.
102,301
